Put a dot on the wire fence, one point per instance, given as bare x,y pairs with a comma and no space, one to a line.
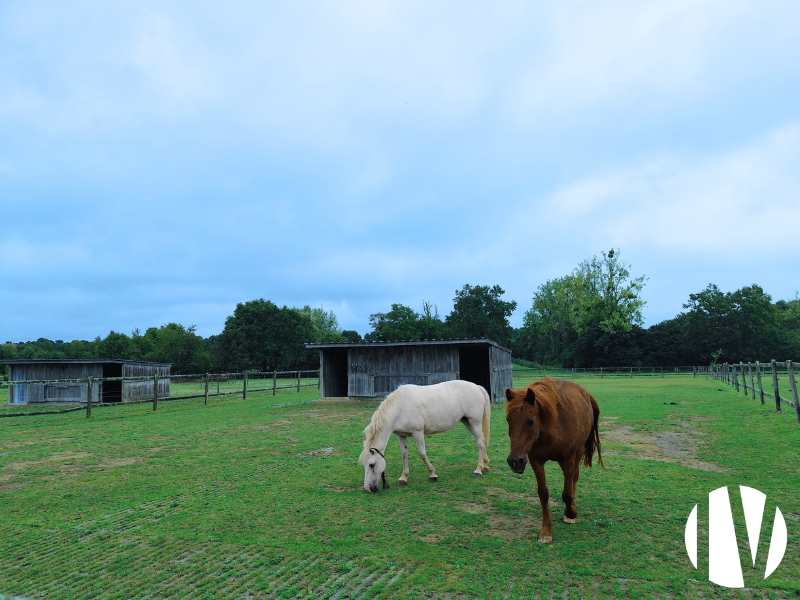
749,378
150,389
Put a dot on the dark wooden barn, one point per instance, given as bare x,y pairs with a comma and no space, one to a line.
75,392
378,368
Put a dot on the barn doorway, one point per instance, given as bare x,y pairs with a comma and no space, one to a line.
335,372
474,364
111,390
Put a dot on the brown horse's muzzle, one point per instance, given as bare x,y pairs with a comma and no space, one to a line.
517,464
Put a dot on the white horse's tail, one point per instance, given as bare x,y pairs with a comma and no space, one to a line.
487,417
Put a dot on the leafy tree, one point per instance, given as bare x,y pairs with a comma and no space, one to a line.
175,344
326,325
117,346
262,335
400,323
591,317
352,336
479,312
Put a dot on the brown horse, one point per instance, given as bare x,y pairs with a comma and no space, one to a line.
553,420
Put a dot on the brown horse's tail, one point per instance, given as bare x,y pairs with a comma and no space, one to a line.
593,441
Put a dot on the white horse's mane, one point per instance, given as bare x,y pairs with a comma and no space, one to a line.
378,421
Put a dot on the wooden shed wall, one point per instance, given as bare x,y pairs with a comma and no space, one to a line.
53,393
143,388
501,372
378,371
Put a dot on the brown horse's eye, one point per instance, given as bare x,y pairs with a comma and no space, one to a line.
530,423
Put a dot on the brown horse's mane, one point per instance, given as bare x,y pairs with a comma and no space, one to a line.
546,398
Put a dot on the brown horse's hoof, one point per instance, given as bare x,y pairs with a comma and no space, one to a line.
477,474
433,479
545,539
568,520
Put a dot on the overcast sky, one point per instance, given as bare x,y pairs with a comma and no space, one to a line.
163,161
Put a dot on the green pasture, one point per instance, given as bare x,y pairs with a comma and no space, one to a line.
262,498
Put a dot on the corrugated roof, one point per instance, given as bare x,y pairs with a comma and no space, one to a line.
312,345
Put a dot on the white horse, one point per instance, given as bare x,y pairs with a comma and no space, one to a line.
413,410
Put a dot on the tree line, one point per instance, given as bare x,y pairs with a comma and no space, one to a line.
591,317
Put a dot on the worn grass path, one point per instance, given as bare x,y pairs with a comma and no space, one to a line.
262,498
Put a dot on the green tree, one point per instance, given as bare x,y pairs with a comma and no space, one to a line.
326,325
398,324
264,336
586,318
479,312
173,343
117,346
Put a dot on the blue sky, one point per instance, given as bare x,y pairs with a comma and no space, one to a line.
162,161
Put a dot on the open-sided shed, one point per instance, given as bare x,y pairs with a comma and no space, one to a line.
73,392
378,368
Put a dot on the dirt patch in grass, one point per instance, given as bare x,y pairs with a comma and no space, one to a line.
7,488
474,508
510,527
679,445
109,463
502,494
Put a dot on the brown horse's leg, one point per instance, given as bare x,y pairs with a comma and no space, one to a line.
544,498
571,468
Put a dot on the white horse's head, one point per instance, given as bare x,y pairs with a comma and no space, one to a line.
374,466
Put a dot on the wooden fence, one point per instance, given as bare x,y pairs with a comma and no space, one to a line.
571,373
748,377
194,386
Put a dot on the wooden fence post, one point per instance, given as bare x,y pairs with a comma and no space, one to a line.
206,397
218,384
735,377
298,382
88,397
775,386
760,385
793,386
155,391
274,382
752,386
244,385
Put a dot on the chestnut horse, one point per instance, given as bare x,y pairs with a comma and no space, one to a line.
553,420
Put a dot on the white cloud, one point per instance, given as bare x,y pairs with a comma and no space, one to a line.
721,205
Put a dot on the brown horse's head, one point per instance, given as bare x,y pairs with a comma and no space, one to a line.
524,413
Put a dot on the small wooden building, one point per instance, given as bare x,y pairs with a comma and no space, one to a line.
378,368
74,392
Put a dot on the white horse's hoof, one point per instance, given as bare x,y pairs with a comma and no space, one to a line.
545,539
477,474
433,479
572,521
402,481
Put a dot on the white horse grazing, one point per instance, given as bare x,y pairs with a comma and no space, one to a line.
413,410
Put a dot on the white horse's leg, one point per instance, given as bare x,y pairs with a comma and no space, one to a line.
476,429
404,453
419,439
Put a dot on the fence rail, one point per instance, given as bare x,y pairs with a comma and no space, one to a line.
752,373
194,386
527,372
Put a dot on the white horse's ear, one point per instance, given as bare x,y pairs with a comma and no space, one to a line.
372,450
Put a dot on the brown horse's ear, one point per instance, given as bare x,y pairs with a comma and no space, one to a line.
530,398
509,394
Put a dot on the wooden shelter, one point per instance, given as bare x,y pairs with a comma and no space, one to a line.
378,368
74,392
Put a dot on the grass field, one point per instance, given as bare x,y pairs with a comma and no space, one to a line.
262,498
